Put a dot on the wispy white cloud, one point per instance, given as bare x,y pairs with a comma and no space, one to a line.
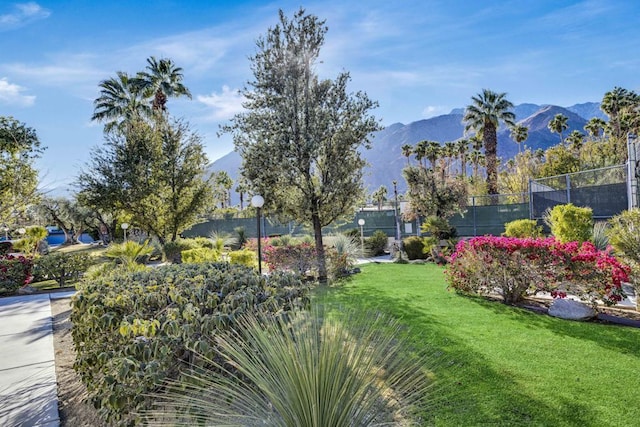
224,105
21,15
11,94
434,110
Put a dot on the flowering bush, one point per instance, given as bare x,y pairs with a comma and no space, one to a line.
299,259
515,267
15,271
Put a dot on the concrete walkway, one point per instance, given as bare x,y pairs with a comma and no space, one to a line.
28,388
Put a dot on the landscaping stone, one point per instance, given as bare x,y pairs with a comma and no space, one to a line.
25,290
571,310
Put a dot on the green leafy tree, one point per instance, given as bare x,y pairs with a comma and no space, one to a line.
68,215
519,134
559,160
559,124
487,110
152,172
300,136
19,148
428,195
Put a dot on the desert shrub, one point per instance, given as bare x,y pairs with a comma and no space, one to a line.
61,266
341,256
31,239
173,250
569,223
15,272
284,240
300,259
438,227
244,257
516,267
198,255
599,235
522,228
241,237
129,253
135,332
376,243
414,247
624,237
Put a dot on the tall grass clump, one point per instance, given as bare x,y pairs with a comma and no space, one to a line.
311,369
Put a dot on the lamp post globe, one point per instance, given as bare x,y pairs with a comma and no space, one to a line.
124,227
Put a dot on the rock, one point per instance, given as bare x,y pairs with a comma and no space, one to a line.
571,310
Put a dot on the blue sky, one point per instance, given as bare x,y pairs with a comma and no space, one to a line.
418,59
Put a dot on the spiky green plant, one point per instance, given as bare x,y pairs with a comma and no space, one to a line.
599,235
221,240
305,369
346,245
129,253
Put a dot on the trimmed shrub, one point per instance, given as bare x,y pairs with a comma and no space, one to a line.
516,267
522,228
15,272
61,266
414,247
570,223
199,255
300,259
244,257
624,234
136,332
376,243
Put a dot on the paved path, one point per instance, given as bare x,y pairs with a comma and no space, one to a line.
28,389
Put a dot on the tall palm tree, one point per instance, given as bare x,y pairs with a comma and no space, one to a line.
519,134
477,160
575,139
449,151
162,80
120,102
420,150
407,151
433,151
595,126
559,124
462,147
483,116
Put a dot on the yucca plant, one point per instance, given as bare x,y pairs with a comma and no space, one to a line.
305,369
599,235
346,245
220,241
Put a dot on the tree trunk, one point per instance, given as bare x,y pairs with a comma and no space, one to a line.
322,265
490,148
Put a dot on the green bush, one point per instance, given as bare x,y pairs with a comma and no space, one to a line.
30,242
173,250
15,271
244,257
570,223
438,227
414,247
61,266
129,253
376,243
136,332
624,237
522,228
5,248
198,255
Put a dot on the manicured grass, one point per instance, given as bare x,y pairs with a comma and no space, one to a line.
507,366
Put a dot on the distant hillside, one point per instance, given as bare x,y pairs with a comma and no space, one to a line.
386,160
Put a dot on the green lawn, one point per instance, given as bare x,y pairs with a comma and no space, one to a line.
505,366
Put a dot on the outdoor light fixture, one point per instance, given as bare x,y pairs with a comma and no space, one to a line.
257,202
21,231
361,224
124,227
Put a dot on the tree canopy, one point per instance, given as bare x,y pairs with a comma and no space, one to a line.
300,135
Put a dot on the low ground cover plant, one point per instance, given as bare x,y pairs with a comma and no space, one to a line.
515,267
134,332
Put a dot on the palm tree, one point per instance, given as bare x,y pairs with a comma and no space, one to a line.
420,151
462,147
575,139
519,134
595,126
449,151
407,151
477,160
559,124
483,116
163,80
120,102
433,151
380,196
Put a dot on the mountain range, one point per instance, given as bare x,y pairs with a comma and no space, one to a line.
386,160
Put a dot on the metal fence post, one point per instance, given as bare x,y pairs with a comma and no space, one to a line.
568,181
475,224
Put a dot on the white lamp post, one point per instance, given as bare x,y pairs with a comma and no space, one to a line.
124,227
257,202
361,224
